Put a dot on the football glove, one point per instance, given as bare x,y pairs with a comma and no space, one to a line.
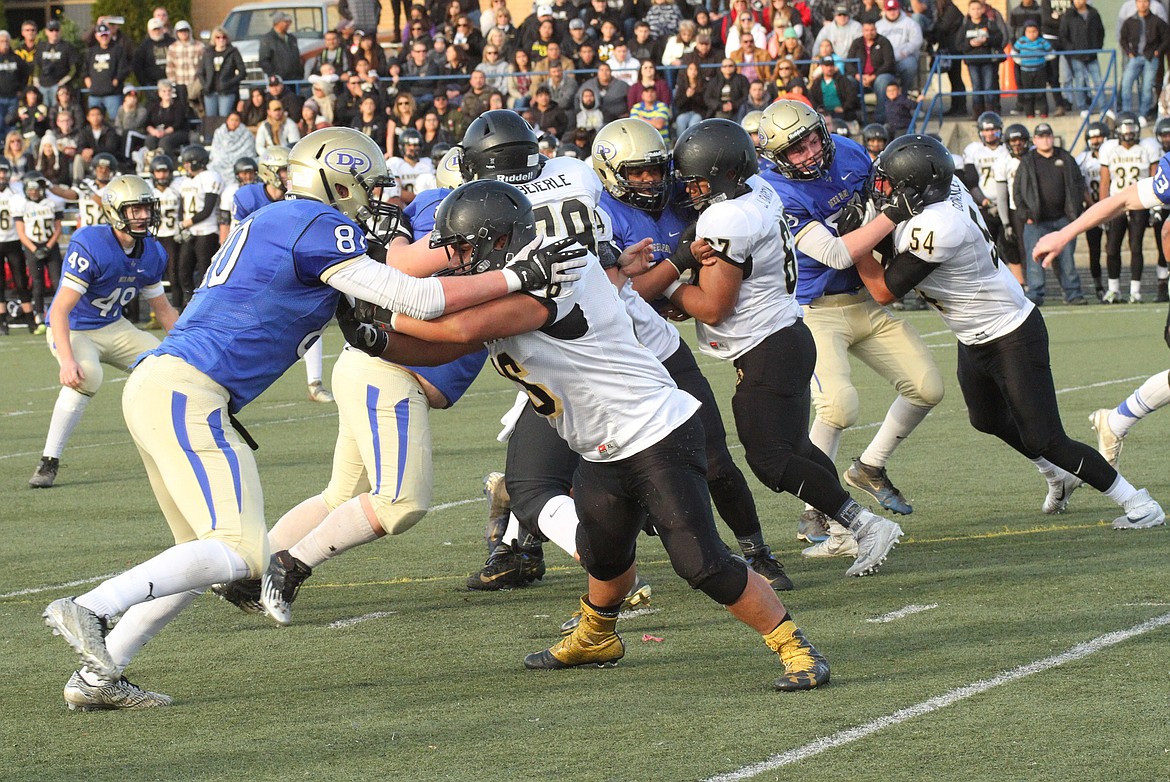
852,215
366,337
683,259
539,267
41,253
902,205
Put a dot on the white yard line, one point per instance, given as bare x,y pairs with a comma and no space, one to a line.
343,623
56,587
850,735
901,612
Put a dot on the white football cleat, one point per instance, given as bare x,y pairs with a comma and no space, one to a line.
1141,512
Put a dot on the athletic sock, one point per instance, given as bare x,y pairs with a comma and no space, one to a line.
558,521
1046,468
512,531
297,523
196,565
67,413
899,422
1149,396
349,526
314,358
825,437
1114,285
749,544
142,622
1135,287
850,515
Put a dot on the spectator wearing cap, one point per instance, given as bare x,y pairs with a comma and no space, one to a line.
106,68
842,31
663,18
451,118
979,35
278,90
905,35
422,70
609,92
130,123
654,111
1031,51
1081,29
577,37
280,55
334,53
751,60
725,90
221,72
1049,194
876,69
149,60
184,57
704,54
13,77
55,63
833,93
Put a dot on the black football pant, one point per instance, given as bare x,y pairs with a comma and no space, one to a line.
36,272
1007,385
1131,225
194,258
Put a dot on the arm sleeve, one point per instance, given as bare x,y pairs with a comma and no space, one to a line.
905,271
210,201
817,242
366,279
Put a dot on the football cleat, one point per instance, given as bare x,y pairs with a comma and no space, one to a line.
874,482
813,526
1108,443
509,567
46,473
876,537
319,393
638,595
243,593
593,642
120,694
763,562
1141,512
85,631
804,667
282,580
838,544
1112,297
499,508
1135,297
1060,488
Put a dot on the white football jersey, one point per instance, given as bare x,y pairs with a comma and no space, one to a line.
193,191
168,207
607,396
10,201
565,197
983,158
408,173
972,289
1005,171
89,206
38,216
226,199
752,233
1151,143
1126,166
1090,166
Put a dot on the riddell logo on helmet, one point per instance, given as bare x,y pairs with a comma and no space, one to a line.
346,160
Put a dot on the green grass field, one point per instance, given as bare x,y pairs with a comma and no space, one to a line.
392,671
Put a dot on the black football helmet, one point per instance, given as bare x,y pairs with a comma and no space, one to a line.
1162,133
410,143
500,144
1098,132
194,158
438,151
875,137
990,122
35,188
490,221
918,163
1018,139
1128,128
5,173
719,152
162,170
105,168
246,171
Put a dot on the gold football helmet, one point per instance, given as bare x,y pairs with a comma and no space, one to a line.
784,124
627,144
343,168
124,192
447,173
271,163
751,122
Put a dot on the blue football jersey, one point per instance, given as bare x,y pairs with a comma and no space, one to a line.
110,278
262,303
454,377
248,199
631,225
819,200
1162,179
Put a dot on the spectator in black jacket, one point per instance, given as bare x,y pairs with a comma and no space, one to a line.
1081,28
876,55
13,78
280,55
1049,194
55,63
31,115
546,115
725,86
948,19
1145,38
149,61
221,72
106,68
978,35
834,94
98,136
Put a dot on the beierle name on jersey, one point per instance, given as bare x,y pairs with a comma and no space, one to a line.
544,184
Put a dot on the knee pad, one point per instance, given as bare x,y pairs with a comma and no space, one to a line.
396,517
924,391
94,374
836,407
722,581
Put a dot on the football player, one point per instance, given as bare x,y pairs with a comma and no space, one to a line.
638,436
107,267
817,174
409,164
166,186
12,251
745,313
1159,214
199,225
980,158
88,193
946,251
38,227
284,266
1090,163
875,137
1124,162
245,173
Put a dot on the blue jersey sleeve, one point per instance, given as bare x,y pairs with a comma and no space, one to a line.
421,211
1162,180
329,239
80,263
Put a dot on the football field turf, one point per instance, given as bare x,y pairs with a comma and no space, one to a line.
996,642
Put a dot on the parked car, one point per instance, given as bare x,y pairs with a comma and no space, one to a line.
311,18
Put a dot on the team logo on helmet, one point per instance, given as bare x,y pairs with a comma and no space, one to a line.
346,160
763,137
604,150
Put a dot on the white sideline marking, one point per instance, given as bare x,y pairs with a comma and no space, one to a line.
1101,384
57,587
901,612
343,623
850,735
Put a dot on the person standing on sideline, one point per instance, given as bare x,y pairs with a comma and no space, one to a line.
1049,193
1122,164
280,55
